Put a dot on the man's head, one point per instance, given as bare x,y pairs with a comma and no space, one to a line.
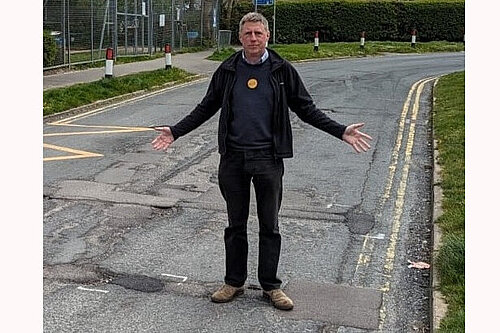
254,34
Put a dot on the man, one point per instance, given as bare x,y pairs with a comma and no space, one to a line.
254,89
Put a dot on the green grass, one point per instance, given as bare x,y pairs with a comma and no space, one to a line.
222,54
449,129
295,52
62,99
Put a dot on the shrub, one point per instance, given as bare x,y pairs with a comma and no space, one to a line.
49,49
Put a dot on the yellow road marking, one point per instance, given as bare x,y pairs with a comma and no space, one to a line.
403,183
399,140
76,153
114,129
102,126
84,154
399,204
93,132
368,243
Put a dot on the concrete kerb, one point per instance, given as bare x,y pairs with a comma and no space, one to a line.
439,305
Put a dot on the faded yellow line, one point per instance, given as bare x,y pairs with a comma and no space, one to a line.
367,248
403,183
95,132
400,200
76,153
399,140
80,153
72,157
140,128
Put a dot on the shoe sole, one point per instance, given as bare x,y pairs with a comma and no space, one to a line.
268,298
237,293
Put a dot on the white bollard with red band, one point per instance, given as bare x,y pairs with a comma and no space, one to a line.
168,57
413,37
362,40
316,41
109,63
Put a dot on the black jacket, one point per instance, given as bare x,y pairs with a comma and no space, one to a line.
289,92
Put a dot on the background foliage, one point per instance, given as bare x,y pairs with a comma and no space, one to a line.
49,49
343,21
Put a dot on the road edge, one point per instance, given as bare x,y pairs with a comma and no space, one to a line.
439,305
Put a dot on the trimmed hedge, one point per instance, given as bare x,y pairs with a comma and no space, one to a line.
343,21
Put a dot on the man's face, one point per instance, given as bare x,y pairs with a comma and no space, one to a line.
253,37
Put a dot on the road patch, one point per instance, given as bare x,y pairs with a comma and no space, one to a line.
337,304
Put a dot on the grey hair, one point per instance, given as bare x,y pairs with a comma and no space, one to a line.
254,17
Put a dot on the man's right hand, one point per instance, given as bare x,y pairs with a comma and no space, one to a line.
164,140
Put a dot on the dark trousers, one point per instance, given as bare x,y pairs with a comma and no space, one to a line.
236,170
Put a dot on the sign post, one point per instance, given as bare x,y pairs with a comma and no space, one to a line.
262,3
268,3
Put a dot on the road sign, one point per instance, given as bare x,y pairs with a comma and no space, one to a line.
264,2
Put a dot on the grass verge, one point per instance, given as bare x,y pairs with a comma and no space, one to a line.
295,52
449,129
62,99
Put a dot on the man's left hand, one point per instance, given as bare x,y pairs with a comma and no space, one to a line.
357,139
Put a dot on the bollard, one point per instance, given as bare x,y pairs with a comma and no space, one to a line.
168,57
362,40
316,41
413,37
109,63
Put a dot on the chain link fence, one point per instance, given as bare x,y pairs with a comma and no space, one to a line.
80,31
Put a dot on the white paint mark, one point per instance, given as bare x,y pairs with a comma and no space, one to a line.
96,290
377,236
183,278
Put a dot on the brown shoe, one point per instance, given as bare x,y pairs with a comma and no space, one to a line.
278,299
226,293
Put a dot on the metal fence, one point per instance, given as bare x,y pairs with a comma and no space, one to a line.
80,31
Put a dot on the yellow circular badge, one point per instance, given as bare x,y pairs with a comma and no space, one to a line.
252,83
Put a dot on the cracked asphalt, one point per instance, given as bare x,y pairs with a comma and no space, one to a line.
133,239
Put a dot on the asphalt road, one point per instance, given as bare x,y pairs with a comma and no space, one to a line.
133,238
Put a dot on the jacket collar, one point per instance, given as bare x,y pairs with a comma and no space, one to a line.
275,59
261,60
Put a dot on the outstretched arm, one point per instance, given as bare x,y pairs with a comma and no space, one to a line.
357,139
164,140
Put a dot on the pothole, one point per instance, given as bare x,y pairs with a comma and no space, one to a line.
139,282
359,222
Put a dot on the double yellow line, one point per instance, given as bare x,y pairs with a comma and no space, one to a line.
369,242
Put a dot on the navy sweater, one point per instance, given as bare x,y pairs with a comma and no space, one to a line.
251,120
